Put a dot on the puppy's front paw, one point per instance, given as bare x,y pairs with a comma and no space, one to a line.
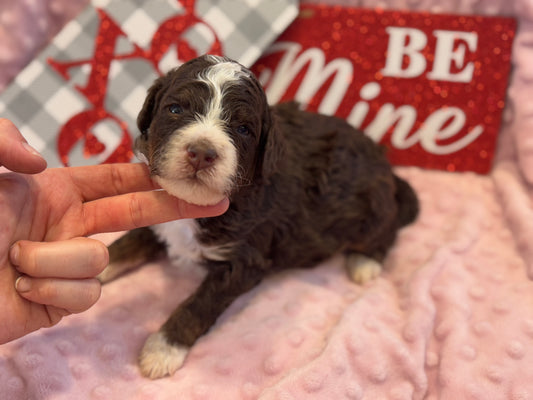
115,269
362,269
159,358
108,274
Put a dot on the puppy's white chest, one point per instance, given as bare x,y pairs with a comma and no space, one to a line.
180,237
183,246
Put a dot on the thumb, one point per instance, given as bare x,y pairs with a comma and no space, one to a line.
15,152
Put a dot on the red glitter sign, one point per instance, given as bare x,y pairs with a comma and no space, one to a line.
431,88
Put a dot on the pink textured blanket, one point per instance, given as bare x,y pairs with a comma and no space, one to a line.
451,318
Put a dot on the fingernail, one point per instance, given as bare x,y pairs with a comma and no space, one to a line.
14,254
23,284
31,150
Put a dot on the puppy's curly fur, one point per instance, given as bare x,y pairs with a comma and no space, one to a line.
302,186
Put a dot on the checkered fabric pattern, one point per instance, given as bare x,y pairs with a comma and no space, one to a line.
40,101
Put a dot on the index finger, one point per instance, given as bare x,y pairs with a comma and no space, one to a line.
105,180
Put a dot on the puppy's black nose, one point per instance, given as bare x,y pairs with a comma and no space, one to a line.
201,156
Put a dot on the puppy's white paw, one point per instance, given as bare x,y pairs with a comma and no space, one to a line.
108,274
159,358
362,269
113,270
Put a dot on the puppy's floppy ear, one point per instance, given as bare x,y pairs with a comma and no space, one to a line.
144,119
271,146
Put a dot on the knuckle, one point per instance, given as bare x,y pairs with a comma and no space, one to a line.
90,294
117,179
89,221
136,211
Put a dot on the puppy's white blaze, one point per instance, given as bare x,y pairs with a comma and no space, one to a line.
215,59
159,358
204,187
217,77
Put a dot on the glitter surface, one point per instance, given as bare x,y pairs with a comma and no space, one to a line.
435,123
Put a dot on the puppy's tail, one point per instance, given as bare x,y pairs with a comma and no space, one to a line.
407,202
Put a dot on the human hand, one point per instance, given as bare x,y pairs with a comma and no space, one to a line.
44,221
15,152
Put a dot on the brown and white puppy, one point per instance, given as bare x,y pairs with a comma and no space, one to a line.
302,187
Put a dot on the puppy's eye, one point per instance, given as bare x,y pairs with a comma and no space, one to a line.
175,109
243,130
